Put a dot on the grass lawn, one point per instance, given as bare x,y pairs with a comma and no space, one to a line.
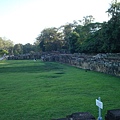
44,90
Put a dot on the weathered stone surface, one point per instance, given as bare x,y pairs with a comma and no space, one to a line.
25,56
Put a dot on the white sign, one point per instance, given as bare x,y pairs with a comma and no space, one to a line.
99,104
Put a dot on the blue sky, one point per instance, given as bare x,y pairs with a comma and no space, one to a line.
22,20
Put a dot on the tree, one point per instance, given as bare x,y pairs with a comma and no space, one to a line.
93,44
2,52
85,33
111,29
87,20
36,46
27,48
106,37
68,28
50,39
86,36
74,36
1,43
114,9
6,45
18,49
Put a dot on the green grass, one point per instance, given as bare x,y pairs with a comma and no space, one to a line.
44,90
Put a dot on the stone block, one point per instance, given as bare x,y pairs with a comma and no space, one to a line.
81,116
113,114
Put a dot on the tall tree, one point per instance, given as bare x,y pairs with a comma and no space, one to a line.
112,29
73,39
18,49
27,48
6,45
50,39
67,30
87,20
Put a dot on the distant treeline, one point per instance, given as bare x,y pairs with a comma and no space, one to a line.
7,47
85,36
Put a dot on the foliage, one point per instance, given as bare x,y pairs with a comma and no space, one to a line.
113,29
67,30
87,20
45,90
2,52
74,36
6,46
86,36
28,48
107,39
25,49
80,36
50,39
18,49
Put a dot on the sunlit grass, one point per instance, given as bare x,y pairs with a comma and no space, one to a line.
44,90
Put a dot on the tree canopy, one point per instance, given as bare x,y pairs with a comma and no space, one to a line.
80,36
6,46
87,36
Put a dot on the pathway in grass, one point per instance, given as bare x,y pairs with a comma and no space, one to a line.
44,90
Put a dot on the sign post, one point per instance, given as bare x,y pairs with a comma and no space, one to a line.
100,106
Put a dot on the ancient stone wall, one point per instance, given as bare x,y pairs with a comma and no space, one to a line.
105,63
25,56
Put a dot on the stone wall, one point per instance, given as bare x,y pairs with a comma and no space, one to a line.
25,56
106,63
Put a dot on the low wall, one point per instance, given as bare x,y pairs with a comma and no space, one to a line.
105,63
25,56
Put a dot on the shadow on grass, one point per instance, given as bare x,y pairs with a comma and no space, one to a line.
22,68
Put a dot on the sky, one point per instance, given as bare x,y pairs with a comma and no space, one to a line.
22,20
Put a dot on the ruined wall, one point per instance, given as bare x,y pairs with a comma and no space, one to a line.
105,63
25,56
